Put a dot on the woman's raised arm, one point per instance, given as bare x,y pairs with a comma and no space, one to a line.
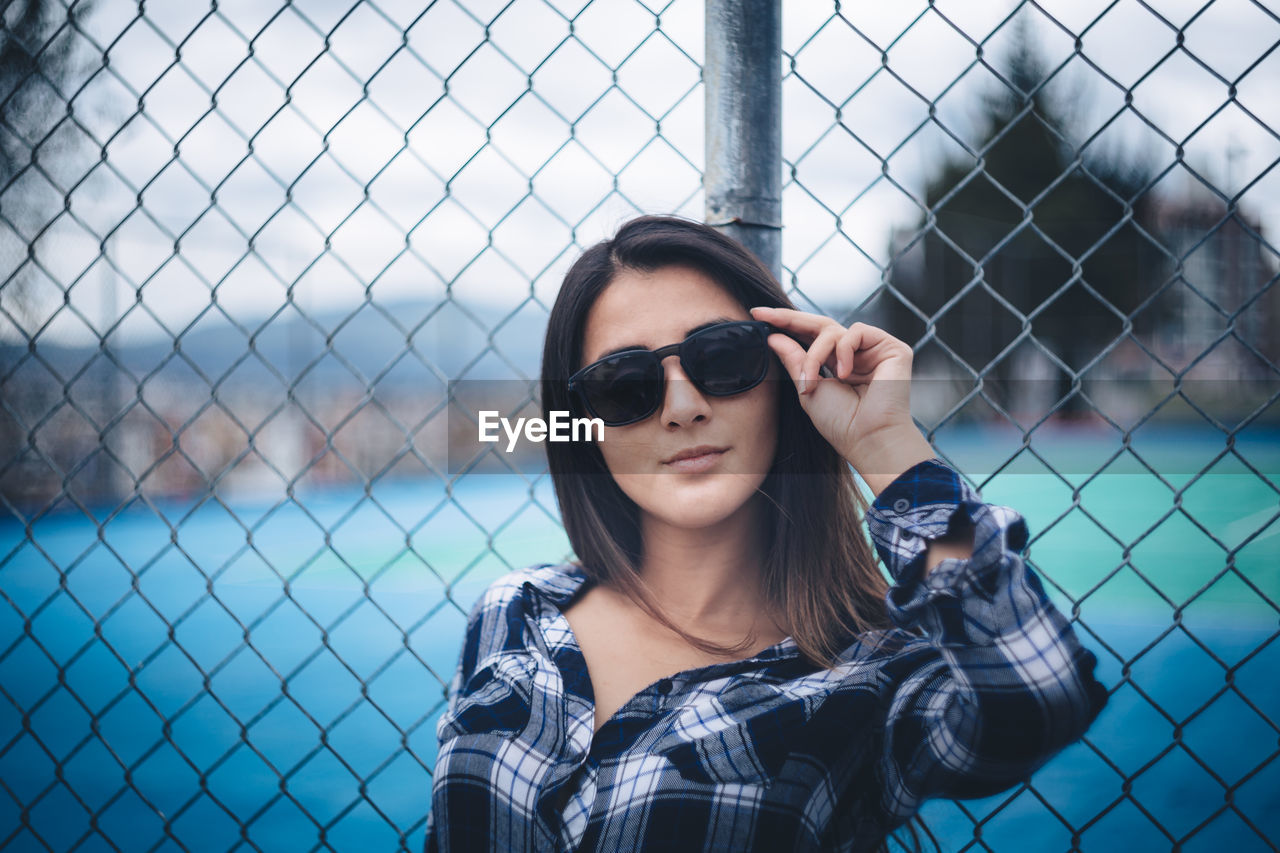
1010,684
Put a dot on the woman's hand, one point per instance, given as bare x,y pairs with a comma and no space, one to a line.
864,409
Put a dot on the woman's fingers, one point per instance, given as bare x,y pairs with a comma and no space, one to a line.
820,352
801,322
872,370
805,324
850,354
845,348
797,361
790,353
854,355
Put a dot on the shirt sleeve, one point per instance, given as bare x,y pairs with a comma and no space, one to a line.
1010,684
468,655
462,672
494,623
487,617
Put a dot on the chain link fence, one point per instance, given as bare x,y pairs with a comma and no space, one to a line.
245,247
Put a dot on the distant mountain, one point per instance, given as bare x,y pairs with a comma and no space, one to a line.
451,337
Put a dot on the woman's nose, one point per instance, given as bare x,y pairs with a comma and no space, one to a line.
682,402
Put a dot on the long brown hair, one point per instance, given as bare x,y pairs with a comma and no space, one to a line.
819,571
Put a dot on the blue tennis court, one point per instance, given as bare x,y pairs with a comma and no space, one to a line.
192,666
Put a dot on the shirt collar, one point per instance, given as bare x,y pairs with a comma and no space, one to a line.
559,583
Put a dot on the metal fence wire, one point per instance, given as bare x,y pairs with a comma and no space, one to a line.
245,248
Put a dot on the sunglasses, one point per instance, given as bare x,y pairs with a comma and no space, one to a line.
720,360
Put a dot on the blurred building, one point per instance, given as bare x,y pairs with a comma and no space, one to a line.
1226,285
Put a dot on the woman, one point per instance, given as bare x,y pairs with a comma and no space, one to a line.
725,667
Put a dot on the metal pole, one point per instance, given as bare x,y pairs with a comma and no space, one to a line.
743,79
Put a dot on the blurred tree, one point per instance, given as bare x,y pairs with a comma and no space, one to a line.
38,62
1032,228
37,56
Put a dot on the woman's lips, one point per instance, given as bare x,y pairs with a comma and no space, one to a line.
696,464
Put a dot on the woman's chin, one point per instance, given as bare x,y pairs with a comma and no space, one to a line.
697,502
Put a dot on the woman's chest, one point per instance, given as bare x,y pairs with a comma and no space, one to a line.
625,654
621,663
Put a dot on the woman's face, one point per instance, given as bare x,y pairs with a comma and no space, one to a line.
650,310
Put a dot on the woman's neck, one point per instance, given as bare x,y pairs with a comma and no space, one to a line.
708,579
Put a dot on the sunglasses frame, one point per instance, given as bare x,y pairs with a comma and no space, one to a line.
658,356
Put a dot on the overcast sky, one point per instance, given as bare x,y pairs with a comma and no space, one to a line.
372,112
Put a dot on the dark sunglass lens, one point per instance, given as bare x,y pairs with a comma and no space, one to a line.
728,359
623,388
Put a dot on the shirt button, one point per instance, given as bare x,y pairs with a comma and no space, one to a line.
664,686
901,505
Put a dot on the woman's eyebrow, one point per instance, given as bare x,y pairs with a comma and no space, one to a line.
716,322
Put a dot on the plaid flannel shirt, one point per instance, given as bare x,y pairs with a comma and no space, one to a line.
768,753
